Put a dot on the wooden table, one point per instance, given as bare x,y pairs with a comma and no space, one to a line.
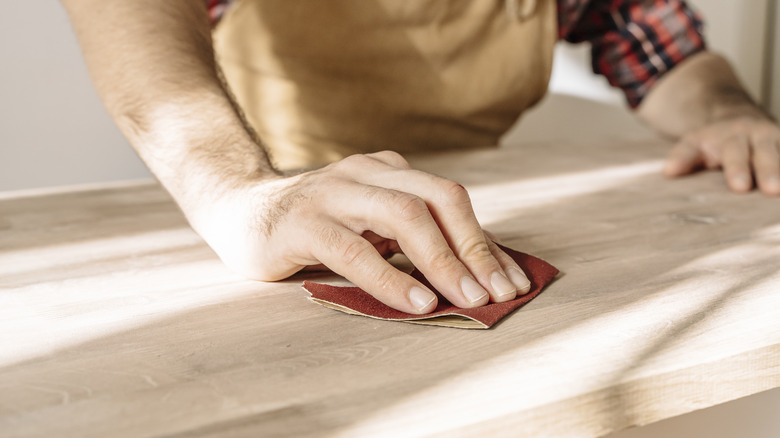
117,320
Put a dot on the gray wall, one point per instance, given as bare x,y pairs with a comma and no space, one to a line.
53,128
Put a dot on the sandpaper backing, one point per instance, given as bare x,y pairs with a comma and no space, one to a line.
356,301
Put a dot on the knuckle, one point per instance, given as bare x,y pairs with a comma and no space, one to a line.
394,158
454,193
475,248
332,167
329,176
355,161
373,194
385,279
411,208
354,251
442,260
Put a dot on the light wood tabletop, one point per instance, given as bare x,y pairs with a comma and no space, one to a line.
117,320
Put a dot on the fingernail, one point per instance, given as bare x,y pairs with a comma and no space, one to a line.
501,285
519,279
421,298
772,186
742,182
471,289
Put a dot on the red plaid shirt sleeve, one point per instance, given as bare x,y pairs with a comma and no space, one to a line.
217,8
634,42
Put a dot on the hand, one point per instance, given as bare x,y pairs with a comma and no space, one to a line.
744,148
349,215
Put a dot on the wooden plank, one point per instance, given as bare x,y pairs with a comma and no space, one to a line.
119,321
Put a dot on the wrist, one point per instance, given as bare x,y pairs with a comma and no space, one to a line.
734,104
235,220
204,188
700,91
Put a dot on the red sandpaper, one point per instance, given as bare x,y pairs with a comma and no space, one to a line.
355,301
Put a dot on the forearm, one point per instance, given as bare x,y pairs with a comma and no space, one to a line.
702,90
153,65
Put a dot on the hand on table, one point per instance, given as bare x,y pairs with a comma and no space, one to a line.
350,214
744,148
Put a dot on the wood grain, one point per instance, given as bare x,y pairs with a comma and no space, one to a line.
117,320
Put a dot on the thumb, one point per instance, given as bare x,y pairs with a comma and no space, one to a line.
684,158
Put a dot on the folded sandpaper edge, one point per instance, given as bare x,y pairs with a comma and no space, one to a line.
453,320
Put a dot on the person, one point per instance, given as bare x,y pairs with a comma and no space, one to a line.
334,85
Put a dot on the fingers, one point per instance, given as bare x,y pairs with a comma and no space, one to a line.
766,164
744,148
405,218
369,206
355,258
736,163
437,218
433,223
513,271
684,158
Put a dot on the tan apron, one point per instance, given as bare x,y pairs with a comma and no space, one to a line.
323,79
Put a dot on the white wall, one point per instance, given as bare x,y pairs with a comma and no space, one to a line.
737,29
53,128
